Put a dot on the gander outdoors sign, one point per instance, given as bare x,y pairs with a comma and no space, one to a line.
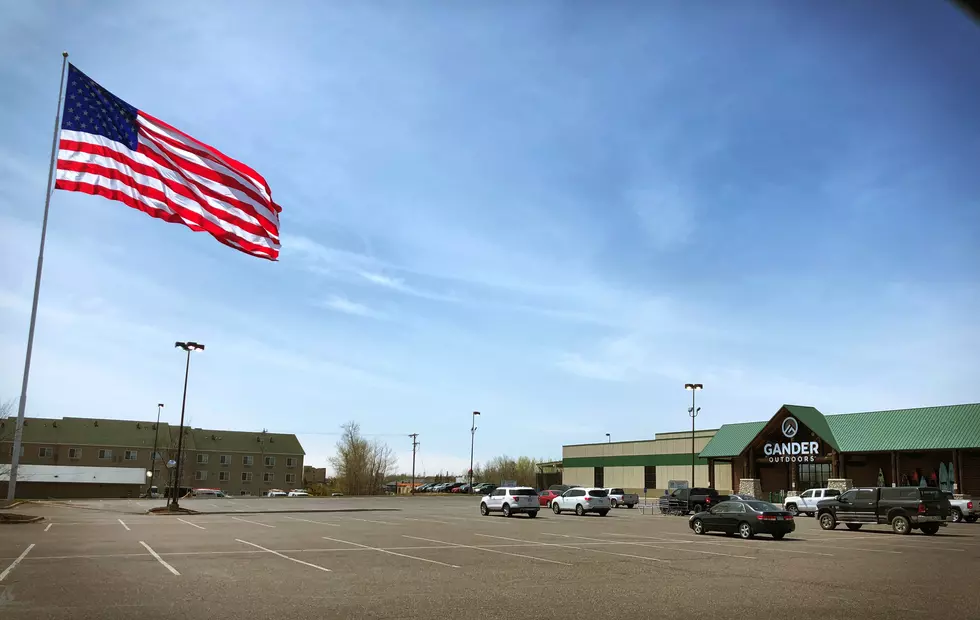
791,451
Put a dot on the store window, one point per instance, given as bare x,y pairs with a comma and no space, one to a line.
650,477
599,477
813,475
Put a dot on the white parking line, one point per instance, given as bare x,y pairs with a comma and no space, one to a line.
252,522
429,521
676,542
159,559
191,524
371,521
625,555
11,568
124,525
312,521
48,527
516,555
286,557
402,555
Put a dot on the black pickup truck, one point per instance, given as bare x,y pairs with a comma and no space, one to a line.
694,500
904,508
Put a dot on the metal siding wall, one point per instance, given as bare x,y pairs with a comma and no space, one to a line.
583,476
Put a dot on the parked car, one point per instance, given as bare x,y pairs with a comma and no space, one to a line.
545,497
451,486
962,509
297,493
275,493
806,502
511,501
425,487
745,518
561,488
582,500
463,488
904,508
619,497
741,497
693,500
484,488
336,494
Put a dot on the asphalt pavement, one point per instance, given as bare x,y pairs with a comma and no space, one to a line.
436,557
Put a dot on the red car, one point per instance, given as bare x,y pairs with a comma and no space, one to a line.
545,497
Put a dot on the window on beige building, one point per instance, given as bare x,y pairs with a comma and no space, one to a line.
105,454
131,455
202,459
74,453
290,461
270,461
290,478
246,476
225,460
248,460
45,453
10,451
200,475
268,477
224,476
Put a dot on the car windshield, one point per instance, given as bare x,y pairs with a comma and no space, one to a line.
523,492
598,493
763,506
930,493
618,492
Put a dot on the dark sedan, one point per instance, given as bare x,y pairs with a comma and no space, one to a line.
745,518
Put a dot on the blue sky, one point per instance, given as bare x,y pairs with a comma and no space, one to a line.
554,213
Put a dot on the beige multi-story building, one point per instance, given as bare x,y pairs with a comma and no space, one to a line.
83,457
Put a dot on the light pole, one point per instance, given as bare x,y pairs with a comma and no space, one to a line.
693,412
608,438
153,457
472,441
188,347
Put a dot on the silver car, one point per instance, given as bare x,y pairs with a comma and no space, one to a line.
510,501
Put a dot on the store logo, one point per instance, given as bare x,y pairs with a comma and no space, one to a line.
790,427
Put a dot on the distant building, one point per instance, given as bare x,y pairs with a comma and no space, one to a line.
83,457
314,475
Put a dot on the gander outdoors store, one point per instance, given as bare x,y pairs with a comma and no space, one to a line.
800,448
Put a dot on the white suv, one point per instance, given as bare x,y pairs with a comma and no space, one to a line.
806,502
511,500
582,501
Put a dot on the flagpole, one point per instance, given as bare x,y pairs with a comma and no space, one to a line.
22,404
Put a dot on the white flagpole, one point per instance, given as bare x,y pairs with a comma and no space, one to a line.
22,404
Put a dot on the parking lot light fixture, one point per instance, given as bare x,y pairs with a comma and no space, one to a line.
188,347
693,412
608,438
472,442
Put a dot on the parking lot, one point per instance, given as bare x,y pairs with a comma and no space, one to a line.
432,557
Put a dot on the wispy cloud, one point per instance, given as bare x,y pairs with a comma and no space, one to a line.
346,306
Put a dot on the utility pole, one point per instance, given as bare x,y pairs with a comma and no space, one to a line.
415,445
693,412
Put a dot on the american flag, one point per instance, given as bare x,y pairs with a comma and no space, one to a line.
109,148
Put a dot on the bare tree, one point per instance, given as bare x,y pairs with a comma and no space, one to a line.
500,468
8,423
361,466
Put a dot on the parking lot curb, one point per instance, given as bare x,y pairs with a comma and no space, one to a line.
276,512
12,519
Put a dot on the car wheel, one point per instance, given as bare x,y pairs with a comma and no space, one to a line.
613,503
579,510
698,526
630,505
779,535
827,521
957,515
602,513
697,508
792,509
901,525
745,530
506,510
532,514
970,519
484,510
853,526
930,529
555,508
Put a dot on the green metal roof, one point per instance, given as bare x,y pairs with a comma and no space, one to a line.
814,420
925,428
87,432
731,439
242,441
